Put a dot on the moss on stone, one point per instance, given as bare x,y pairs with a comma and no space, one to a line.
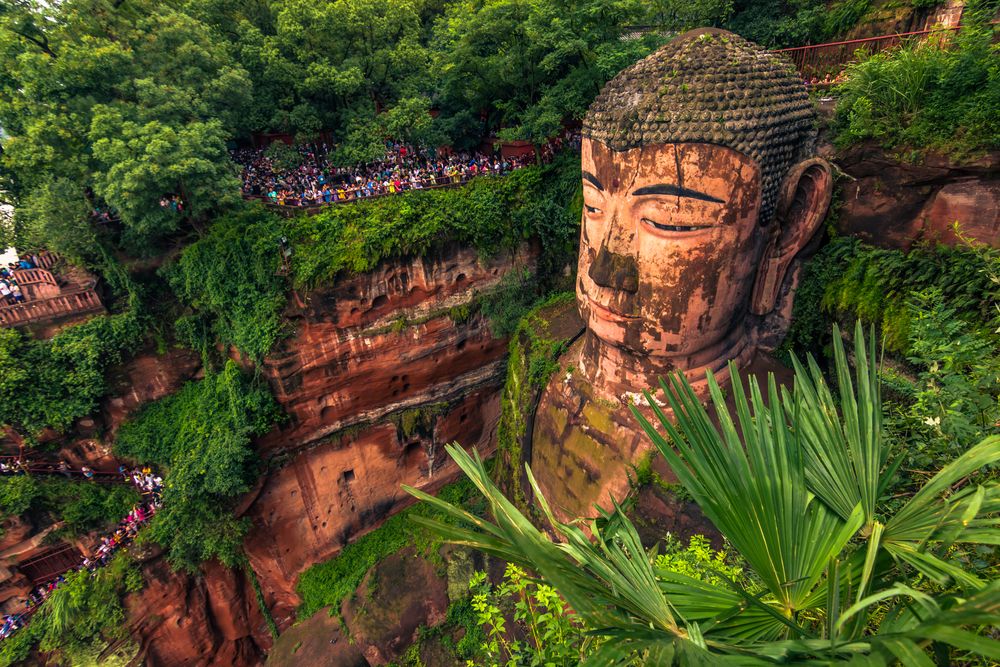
534,352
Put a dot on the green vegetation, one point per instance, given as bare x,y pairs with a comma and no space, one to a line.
272,627
934,94
938,310
80,618
533,357
230,280
553,635
522,621
51,383
488,214
849,279
200,438
808,468
698,560
82,505
327,584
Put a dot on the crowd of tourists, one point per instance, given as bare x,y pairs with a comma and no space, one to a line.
150,486
10,291
316,181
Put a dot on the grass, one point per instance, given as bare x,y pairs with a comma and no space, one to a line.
328,583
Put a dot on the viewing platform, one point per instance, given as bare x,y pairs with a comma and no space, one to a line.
54,294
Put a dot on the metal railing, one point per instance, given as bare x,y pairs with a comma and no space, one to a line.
821,63
16,465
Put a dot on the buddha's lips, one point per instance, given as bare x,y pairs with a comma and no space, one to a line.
607,314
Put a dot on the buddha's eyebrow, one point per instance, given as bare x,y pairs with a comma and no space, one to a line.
587,176
676,191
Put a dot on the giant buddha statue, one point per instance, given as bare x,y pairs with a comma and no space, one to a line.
701,191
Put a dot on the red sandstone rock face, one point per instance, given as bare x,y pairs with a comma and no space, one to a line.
376,379
198,621
895,205
332,493
146,378
354,358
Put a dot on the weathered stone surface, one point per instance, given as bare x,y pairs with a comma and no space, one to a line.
682,266
397,596
145,378
211,619
894,204
372,403
318,641
384,341
332,493
583,445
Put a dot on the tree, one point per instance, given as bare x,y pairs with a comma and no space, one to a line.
528,66
201,437
793,482
121,104
680,15
51,383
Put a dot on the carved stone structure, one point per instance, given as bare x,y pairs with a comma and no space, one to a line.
701,189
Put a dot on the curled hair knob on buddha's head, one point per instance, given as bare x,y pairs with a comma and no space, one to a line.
714,87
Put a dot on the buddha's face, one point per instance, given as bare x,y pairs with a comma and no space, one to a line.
669,246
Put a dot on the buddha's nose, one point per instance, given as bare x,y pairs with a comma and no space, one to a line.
615,271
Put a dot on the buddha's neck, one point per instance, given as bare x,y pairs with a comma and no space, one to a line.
614,372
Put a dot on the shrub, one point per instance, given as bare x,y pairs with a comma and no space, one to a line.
850,279
18,493
230,279
201,438
82,505
51,383
941,94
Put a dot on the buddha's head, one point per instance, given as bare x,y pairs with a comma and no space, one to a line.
700,188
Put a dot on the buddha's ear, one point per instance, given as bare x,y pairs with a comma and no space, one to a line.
803,200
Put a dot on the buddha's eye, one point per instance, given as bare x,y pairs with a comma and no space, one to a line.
673,228
592,210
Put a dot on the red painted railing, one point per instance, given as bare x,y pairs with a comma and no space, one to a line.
43,309
824,62
47,566
47,259
34,277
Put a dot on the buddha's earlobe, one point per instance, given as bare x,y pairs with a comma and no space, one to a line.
803,201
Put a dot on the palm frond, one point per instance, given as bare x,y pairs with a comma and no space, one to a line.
752,488
845,451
